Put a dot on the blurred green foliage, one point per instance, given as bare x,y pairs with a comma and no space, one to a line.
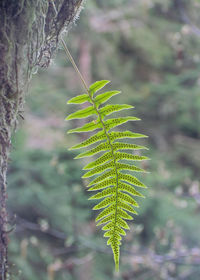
148,50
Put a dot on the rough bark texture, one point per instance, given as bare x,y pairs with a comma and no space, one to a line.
29,35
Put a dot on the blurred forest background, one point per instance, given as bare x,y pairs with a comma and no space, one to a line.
149,49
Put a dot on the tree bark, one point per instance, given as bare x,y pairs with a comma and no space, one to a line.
29,36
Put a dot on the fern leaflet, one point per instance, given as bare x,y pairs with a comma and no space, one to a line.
115,187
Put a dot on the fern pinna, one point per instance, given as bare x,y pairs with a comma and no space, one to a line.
115,187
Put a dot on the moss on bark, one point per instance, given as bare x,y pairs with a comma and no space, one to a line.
29,36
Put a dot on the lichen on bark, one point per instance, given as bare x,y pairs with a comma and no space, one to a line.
29,36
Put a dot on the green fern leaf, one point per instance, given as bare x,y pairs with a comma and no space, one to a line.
104,213
128,199
130,189
129,157
102,177
109,109
127,207
103,97
97,86
122,223
125,146
93,139
125,134
115,189
101,147
104,184
120,230
107,201
84,113
123,166
112,235
111,123
131,179
104,193
104,158
87,127
100,169
109,226
79,99
106,219
123,214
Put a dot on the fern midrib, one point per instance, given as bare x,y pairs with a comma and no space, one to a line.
113,154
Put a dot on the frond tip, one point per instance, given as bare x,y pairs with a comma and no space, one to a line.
115,187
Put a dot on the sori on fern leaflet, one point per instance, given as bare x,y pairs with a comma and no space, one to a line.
115,185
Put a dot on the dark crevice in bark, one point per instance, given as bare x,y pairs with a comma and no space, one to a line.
29,36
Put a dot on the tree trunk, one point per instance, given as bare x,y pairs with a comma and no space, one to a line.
29,36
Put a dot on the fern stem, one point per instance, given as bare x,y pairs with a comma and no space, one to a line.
74,65
103,126
116,171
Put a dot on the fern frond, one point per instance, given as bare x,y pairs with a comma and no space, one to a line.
115,188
